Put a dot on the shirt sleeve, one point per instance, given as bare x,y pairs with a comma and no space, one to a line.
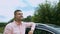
31,24
8,30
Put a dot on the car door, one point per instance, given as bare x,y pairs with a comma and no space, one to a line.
38,31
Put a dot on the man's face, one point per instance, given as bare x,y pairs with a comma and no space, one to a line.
19,15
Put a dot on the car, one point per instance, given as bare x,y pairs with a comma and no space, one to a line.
44,29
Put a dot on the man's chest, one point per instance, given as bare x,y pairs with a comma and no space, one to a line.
19,29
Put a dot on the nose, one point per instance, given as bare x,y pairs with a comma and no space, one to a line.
20,15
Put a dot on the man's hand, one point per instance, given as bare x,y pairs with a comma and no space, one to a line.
30,32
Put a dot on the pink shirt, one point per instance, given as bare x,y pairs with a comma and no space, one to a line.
13,28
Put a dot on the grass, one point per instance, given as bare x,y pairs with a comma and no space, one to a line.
1,29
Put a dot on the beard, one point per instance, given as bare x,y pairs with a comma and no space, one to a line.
19,19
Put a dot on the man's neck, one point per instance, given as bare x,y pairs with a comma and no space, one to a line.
18,22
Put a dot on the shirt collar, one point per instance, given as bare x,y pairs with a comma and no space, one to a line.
17,23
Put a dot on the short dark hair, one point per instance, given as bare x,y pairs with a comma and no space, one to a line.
17,11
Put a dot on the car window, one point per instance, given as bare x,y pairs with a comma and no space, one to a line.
38,31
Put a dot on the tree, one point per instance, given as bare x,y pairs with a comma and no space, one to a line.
58,13
27,19
42,14
47,13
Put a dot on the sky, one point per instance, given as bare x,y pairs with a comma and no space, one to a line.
7,8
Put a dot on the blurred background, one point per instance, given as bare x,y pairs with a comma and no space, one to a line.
37,11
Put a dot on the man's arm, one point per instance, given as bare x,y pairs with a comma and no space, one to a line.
8,30
32,27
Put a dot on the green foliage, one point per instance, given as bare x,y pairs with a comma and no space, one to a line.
2,29
3,24
47,13
28,19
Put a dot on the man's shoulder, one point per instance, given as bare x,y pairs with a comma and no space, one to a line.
9,25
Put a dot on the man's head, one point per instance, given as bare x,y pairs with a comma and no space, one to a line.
18,15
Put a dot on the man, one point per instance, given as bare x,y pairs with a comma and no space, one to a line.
17,26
